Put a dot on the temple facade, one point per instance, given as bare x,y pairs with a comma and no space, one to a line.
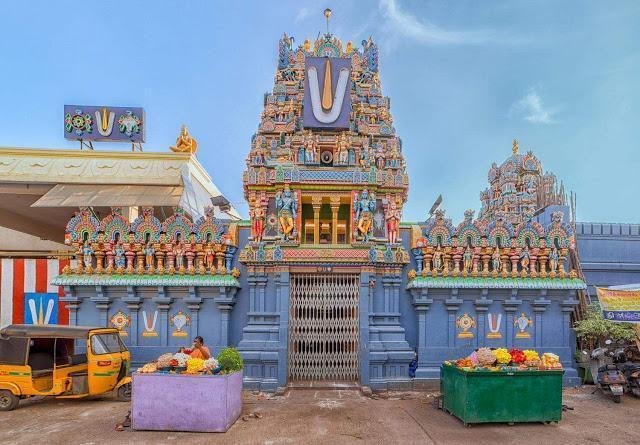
324,282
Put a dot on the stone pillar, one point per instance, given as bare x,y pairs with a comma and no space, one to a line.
511,306
133,303
72,303
452,305
163,303
567,306
316,202
539,306
225,300
482,307
335,206
389,351
193,303
102,303
422,303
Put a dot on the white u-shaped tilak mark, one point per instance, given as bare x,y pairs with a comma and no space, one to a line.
314,90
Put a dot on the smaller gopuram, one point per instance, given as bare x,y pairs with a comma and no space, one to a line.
519,187
504,279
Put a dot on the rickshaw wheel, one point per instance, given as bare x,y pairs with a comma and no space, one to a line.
8,401
124,393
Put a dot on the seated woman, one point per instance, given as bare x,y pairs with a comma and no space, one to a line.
199,349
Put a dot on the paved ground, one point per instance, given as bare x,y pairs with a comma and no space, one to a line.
328,417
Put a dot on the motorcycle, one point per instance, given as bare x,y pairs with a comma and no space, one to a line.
609,377
630,370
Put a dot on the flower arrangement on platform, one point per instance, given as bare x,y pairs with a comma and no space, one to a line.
503,359
502,356
195,366
182,358
517,356
228,361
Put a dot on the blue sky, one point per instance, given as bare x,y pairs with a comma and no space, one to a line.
464,78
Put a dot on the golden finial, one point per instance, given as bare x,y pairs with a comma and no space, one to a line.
515,147
307,45
185,143
349,47
327,14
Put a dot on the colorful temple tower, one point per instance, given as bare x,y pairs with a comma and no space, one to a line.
325,182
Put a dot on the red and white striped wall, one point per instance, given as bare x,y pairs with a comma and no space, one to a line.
23,275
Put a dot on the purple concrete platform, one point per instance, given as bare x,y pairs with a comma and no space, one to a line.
171,402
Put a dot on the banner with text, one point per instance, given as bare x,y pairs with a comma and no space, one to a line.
620,305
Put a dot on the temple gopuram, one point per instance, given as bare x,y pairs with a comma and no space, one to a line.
323,282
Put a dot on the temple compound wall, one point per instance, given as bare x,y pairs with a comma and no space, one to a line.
323,282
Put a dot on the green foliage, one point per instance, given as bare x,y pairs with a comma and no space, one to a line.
594,329
230,360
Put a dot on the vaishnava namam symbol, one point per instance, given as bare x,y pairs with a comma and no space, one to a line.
327,110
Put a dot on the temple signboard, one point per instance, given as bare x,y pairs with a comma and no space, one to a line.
102,123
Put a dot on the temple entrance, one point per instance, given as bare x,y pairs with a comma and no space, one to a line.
324,327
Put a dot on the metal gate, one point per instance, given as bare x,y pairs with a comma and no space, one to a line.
323,327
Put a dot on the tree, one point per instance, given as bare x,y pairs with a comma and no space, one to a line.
593,329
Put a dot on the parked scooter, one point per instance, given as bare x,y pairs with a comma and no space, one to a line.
609,377
630,370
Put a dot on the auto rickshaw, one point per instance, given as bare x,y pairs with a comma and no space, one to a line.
61,361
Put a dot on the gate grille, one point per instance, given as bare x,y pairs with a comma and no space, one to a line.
323,327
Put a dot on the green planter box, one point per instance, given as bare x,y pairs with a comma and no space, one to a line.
501,396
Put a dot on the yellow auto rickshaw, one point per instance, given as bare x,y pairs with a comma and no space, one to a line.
61,361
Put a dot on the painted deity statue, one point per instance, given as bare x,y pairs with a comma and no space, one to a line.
257,222
365,206
148,255
524,258
120,259
495,260
553,259
209,255
392,217
287,207
87,254
343,149
178,252
467,258
185,143
437,258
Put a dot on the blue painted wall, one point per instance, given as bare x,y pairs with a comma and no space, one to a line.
609,253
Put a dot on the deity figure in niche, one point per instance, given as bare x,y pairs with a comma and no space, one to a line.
495,260
525,258
392,217
87,254
343,147
209,253
437,258
553,260
467,258
257,215
120,259
365,206
287,206
148,251
178,251
364,157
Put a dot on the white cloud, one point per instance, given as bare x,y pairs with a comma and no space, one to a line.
531,108
408,25
302,14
